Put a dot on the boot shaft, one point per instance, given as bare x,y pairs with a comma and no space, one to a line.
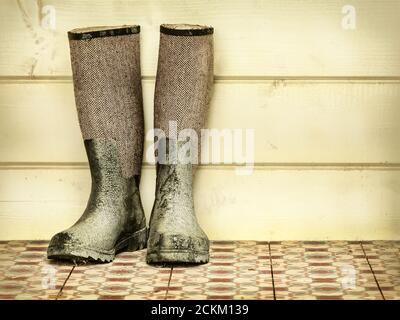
184,78
108,93
183,90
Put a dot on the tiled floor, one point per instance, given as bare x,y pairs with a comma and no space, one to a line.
237,270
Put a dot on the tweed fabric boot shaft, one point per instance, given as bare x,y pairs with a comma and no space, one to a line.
108,90
184,78
182,94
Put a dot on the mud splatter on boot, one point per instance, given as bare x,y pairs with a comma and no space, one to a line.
113,221
175,235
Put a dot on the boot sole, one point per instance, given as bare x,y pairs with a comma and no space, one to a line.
134,242
177,257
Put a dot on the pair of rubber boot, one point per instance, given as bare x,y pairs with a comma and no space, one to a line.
108,94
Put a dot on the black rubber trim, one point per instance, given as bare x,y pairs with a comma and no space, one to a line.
119,31
186,32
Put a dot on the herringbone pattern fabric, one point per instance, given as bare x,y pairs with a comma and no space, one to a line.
184,82
108,94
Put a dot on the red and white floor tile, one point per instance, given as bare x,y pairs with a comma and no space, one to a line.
237,270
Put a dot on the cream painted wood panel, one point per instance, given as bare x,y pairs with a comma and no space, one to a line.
327,150
267,205
294,121
256,38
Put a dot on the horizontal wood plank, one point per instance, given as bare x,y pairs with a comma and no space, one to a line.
294,121
266,205
263,38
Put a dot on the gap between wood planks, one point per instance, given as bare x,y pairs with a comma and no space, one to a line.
257,166
217,78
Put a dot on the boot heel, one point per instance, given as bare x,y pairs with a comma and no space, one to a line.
138,240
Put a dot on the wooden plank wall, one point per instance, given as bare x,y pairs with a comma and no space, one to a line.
323,100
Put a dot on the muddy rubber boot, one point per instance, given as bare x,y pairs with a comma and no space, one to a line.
108,95
182,96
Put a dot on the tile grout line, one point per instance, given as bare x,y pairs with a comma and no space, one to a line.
271,270
169,282
372,270
65,282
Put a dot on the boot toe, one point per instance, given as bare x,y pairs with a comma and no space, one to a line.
65,246
177,248
60,245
